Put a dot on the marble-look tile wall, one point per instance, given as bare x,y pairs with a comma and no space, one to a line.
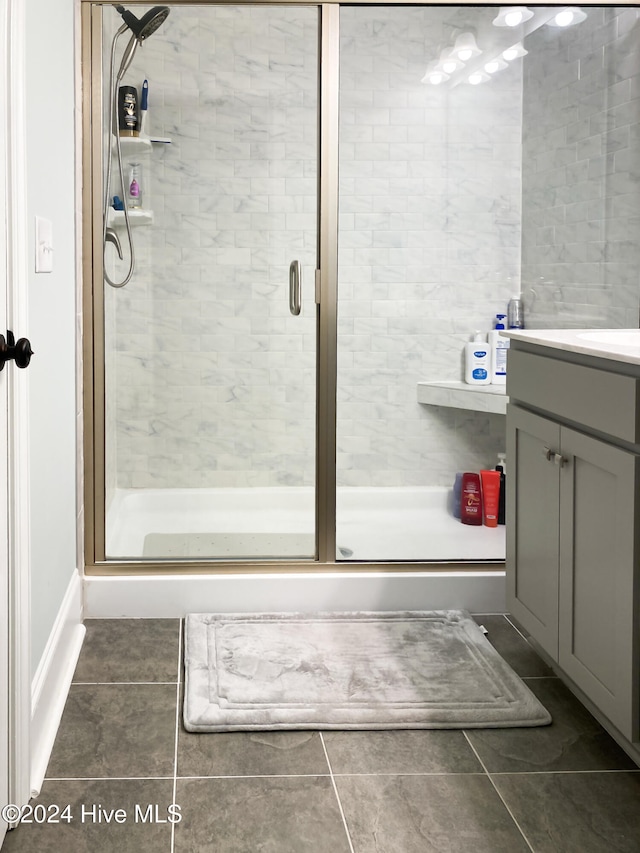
581,173
429,245
214,381
211,381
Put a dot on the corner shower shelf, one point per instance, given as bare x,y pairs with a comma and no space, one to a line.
131,145
136,217
136,145
459,395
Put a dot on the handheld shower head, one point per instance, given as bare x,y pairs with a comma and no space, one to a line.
145,26
141,28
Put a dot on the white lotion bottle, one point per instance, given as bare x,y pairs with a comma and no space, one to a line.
477,361
498,345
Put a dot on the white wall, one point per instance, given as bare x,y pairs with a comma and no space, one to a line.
50,56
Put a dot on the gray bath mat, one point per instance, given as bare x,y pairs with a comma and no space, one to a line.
233,546
431,670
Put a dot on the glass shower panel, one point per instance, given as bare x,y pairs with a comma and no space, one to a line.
429,250
512,171
210,378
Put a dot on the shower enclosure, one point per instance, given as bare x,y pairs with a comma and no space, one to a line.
227,430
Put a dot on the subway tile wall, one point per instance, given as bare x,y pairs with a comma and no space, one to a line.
581,173
429,245
214,381
210,381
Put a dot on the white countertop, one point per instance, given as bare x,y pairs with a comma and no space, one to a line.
615,344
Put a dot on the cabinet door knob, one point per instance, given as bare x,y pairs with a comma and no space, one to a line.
552,456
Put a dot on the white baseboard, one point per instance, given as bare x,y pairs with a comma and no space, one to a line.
52,679
175,595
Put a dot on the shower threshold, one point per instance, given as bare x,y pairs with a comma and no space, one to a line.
373,524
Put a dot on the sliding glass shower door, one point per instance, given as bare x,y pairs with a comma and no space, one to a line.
210,349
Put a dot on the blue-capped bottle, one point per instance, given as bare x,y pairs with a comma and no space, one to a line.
477,361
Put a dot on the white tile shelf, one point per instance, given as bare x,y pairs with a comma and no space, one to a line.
459,395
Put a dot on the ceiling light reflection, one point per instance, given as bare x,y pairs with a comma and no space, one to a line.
512,16
495,65
514,52
478,77
465,47
434,75
568,17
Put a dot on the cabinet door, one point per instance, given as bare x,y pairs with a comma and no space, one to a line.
598,643
533,526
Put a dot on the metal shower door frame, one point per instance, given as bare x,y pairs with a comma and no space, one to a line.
326,312
96,561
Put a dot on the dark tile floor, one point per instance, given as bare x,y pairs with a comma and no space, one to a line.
122,758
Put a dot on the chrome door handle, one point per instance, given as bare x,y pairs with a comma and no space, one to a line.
295,287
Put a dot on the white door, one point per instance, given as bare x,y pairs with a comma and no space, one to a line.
4,467
4,586
15,710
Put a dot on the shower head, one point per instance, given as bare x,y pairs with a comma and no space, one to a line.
141,29
145,26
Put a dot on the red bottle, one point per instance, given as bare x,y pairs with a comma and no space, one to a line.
471,504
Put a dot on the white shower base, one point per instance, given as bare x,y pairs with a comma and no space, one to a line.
374,524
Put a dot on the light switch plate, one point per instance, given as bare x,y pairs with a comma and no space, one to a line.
44,245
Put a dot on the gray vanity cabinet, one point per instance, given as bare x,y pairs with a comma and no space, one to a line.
533,518
572,535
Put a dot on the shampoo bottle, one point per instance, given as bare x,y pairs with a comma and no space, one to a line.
134,193
477,361
471,504
498,346
490,497
128,111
